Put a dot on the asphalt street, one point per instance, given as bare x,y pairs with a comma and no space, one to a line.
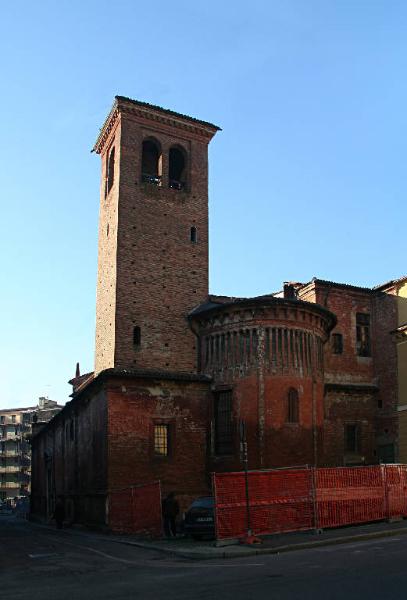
38,563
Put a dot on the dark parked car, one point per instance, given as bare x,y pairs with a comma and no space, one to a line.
200,518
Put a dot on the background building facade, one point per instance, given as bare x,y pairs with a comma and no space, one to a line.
15,448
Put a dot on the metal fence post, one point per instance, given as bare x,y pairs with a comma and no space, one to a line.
314,499
386,491
215,505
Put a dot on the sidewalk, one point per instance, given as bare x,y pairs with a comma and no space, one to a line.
287,542
275,544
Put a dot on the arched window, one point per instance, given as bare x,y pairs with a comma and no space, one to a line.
177,168
193,235
293,412
151,163
110,171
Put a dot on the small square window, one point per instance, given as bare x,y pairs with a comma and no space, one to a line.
161,440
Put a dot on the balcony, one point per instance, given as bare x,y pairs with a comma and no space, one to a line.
13,469
151,179
176,185
8,485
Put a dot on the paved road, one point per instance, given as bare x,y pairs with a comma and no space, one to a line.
43,564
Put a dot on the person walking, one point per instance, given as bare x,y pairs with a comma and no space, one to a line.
170,508
59,513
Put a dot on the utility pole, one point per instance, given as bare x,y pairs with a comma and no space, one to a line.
250,538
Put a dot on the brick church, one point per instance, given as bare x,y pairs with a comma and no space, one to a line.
312,370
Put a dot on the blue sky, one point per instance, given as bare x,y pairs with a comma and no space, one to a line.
308,177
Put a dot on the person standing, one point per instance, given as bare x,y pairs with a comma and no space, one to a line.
170,508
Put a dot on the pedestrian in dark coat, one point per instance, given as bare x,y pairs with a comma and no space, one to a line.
59,513
170,508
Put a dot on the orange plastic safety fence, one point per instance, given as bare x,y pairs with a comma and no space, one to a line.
136,510
346,495
395,481
298,499
279,501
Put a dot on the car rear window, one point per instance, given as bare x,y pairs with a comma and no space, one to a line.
206,502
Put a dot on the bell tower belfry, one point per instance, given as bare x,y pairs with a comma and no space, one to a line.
153,237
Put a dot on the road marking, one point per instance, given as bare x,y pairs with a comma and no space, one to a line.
43,555
175,565
179,565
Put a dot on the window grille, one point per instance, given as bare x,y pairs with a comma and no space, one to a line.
161,440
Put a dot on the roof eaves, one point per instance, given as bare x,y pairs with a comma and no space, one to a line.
167,111
390,283
326,282
152,107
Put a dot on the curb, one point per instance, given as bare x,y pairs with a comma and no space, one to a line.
243,552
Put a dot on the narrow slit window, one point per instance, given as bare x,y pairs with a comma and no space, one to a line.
110,171
352,438
363,334
293,406
136,337
337,343
193,235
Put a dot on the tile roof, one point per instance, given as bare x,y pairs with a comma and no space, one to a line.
167,111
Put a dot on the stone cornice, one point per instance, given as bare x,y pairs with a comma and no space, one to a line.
146,113
262,309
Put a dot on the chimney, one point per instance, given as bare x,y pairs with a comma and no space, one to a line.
289,291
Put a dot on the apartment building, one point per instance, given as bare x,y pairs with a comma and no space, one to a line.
15,448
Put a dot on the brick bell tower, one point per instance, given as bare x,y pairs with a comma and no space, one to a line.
153,237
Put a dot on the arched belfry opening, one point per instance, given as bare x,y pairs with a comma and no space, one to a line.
151,163
177,168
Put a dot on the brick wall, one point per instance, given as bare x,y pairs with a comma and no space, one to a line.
73,449
135,407
375,409
344,302
106,287
385,357
342,408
